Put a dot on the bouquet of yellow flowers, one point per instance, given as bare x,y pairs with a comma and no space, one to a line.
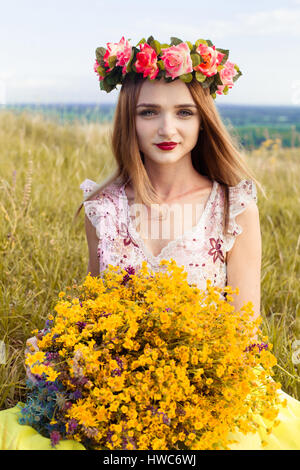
137,360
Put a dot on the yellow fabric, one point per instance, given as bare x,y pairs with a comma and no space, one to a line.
15,436
285,436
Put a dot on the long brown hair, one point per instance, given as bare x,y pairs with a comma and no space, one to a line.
217,154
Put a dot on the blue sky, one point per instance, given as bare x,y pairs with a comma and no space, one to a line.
48,48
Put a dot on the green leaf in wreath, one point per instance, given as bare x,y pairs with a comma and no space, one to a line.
200,41
207,82
101,71
200,77
112,61
156,46
213,87
161,64
175,41
106,86
142,41
150,39
186,77
111,80
100,53
237,76
103,64
196,59
165,46
218,80
190,45
114,76
129,63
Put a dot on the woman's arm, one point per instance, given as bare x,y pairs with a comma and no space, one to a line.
93,268
244,260
93,241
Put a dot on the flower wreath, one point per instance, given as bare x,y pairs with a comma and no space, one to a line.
178,59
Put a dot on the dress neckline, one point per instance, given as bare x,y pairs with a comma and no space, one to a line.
193,230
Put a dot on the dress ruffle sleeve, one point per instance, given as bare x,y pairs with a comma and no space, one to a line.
87,187
240,196
101,211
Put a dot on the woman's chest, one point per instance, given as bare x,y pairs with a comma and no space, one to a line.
158,230
188,235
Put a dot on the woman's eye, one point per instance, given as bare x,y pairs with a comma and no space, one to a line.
144,113
187,112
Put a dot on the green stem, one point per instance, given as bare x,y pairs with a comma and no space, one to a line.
288,373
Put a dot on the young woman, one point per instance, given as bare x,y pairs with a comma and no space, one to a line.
181,190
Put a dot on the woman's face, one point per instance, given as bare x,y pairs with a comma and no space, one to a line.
171,117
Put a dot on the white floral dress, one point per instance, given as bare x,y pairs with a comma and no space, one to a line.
201,250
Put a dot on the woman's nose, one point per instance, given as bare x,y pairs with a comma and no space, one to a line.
166,125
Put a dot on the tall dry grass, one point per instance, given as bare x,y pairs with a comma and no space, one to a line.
41,167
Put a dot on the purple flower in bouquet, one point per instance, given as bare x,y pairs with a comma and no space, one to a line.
55,437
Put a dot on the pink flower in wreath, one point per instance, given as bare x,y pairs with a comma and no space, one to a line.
146,61
226,75
177,60
216,251
212,58
122,50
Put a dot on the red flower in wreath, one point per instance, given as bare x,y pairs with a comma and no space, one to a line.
216,251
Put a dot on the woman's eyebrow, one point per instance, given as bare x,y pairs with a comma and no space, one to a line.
149,105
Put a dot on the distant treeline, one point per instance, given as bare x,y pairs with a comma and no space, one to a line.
254,124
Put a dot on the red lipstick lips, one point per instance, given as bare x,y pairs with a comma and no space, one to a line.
167,145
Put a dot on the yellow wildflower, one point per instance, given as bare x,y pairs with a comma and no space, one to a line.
52,375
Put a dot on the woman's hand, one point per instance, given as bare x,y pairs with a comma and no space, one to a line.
31,347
